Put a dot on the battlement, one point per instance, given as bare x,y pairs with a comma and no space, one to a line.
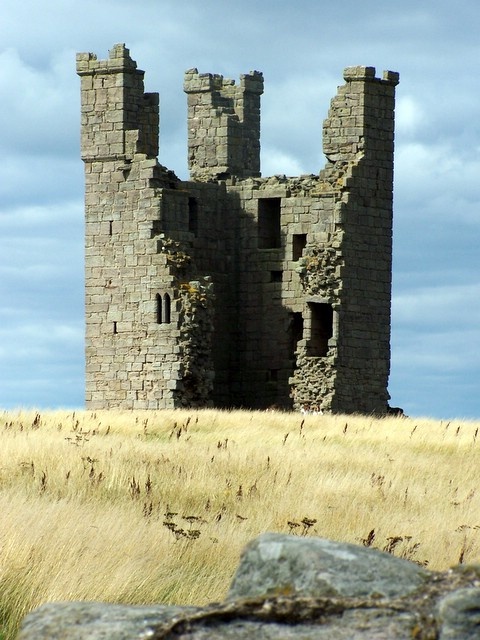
359,73
119,59
360,120
199,82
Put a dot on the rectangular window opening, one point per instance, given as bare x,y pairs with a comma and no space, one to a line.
193,216
115,329
299,242
269,223
321,328
276,276
295,331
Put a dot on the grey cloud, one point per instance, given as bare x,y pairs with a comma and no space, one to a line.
42,110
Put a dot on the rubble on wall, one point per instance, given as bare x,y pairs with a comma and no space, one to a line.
175,254
313,381
195,342
319,268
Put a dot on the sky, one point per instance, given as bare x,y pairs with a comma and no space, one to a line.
302,48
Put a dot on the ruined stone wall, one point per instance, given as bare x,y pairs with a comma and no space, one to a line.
229,288
271,297
212,245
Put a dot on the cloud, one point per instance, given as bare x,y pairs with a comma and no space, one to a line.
435,350
42,106
42,362
275,162
439,306
291,128
409,117
432,171
435,374
41,309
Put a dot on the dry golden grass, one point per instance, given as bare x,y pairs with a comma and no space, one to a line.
142,507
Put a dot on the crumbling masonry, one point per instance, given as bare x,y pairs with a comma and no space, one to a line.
230,289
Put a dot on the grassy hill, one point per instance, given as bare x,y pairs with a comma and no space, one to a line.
142,507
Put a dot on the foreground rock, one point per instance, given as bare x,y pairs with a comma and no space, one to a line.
290,587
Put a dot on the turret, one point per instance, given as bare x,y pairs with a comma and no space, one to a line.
223,125
361,117
118,118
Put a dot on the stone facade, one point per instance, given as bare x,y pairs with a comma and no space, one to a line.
231,289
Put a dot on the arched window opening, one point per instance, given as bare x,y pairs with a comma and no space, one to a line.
166,308
163,308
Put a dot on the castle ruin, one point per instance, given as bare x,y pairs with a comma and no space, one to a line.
230,289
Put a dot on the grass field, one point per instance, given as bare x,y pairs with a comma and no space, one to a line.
144,507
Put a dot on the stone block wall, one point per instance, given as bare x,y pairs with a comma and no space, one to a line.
293,275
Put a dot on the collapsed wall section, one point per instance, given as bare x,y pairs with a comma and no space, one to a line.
358,142
279,218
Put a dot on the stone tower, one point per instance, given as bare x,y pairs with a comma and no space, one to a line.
223,125
230,289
